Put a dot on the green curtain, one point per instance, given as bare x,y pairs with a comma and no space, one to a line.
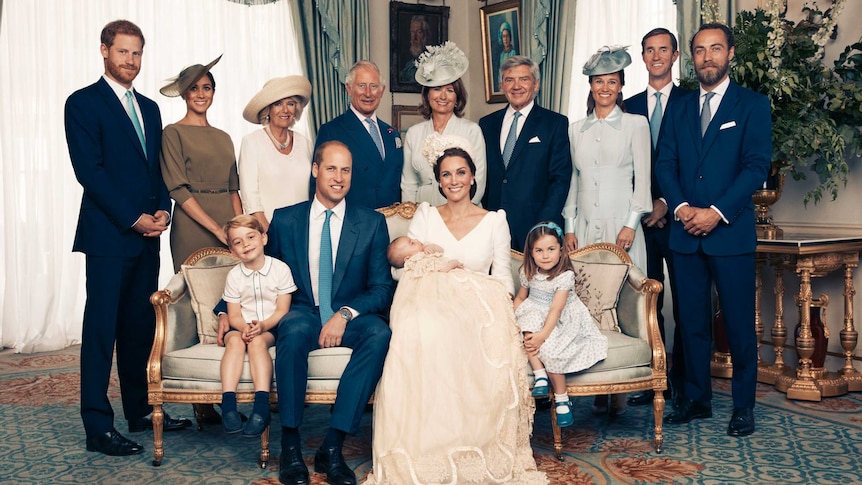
688,21
334,36
548,23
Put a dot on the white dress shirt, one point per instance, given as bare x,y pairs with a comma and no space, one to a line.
507,122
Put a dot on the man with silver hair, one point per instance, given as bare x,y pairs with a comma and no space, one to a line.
527,147
374,145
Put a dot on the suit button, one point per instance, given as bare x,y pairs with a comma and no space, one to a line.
700,177
505,181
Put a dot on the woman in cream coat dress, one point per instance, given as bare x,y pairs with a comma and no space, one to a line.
443,100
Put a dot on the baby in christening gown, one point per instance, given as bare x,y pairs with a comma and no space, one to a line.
453,405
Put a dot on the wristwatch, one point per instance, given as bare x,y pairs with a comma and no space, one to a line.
344,312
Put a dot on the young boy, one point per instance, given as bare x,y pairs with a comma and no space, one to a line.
257,292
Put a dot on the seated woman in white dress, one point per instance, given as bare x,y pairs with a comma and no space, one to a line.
453,405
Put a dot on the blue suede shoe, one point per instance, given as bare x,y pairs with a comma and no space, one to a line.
540,387
255,425
231,421
564,414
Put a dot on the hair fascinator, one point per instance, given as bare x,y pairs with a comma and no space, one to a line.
607,60
182,82
436,144
440,65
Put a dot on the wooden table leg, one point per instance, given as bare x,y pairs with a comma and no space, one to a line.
849,336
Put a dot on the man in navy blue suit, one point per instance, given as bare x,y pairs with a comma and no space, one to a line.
340,304
374,145
659,50
714,153
529,164
114,138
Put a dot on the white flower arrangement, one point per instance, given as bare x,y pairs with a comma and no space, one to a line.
436,144
830,19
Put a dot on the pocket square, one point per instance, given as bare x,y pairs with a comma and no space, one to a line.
729,124
535,139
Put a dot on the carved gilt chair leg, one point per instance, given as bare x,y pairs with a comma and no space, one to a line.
558,435
658,417
158,445
264,448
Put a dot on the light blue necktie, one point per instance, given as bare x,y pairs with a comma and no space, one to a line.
511,138
135,121
705,114
655,119
324,276
375,135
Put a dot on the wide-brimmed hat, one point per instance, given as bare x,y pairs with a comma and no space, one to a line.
607,60
186,78
275,89
440,65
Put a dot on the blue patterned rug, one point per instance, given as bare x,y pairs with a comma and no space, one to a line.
42,441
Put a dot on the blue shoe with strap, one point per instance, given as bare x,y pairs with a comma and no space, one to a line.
565,417
540,387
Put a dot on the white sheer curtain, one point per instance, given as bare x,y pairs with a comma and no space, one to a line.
615,22
50,48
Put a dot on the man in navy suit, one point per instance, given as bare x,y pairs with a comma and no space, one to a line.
659,50
374,145
714,153
529,164
359,290
114,138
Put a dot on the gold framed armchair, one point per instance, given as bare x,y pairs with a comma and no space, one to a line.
623,301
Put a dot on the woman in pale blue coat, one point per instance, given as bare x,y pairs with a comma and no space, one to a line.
444,97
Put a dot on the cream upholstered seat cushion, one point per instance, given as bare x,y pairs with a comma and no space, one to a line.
206,286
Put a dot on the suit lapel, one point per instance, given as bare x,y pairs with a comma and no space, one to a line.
116,108
527,133
725,108
299,244
346,247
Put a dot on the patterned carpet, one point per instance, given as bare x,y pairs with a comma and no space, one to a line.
42,441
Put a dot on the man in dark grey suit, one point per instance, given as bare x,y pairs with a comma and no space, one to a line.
336,250
659,50
114,136
527,146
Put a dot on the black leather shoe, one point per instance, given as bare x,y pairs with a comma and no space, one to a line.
641,398
330,461
689,410
168,424
292,470
113,443
742,422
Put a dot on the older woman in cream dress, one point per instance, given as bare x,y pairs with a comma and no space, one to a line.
275,161
443,100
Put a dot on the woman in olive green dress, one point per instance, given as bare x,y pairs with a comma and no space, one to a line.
199,168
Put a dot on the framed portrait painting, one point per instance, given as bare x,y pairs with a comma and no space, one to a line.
501,39
412,26
403,117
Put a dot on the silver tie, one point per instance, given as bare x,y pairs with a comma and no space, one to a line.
511,138
705,113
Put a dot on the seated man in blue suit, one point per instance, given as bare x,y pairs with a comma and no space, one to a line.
375,146
659,50
715,151
527,148
336,250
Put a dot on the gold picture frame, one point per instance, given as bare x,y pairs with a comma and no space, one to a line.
405,116
499,43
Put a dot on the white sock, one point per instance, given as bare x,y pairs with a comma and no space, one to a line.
539,373
561,400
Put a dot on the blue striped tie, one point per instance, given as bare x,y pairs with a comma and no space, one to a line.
655,119
374,131
135,121
511,138
324,277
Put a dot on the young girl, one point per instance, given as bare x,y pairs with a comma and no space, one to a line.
559,333
257,292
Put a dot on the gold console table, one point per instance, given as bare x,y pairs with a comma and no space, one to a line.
808,255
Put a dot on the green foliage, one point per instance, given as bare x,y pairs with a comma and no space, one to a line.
816,110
